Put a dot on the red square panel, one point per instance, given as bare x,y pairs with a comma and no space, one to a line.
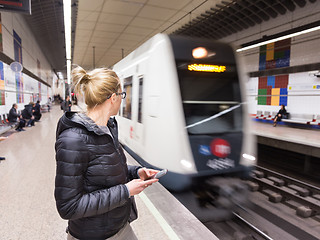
269,100
282,81
270,64
269,90
262,82
283,45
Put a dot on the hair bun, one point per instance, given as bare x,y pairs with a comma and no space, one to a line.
85,79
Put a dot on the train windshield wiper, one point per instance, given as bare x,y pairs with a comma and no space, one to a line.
214,116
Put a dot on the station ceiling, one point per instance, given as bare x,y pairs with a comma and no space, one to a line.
106,30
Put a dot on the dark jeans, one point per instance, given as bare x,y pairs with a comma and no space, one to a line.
30,122
22,124
37,116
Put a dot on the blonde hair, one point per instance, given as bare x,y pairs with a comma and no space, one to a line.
96,85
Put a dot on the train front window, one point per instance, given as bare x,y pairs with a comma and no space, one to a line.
211,101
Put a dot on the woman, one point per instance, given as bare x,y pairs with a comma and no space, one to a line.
94,187
279,115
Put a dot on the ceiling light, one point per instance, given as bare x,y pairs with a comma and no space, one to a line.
279,39
67,33
60,75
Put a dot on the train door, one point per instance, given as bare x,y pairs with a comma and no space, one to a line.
132,111
139,116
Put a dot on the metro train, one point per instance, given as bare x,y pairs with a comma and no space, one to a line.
185,111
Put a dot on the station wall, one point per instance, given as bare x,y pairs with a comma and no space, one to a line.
299,91
19,44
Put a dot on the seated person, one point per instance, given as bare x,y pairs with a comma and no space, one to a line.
27,113
279,115
37,111
14,117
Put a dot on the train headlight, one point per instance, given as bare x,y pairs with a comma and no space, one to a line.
199,52
249,157
186,163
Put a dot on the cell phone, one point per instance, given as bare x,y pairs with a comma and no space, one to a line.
159,174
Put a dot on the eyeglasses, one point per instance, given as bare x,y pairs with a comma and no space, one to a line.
122,94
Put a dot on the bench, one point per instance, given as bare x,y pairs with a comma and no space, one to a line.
272,116
315,121
259,114
300,118
5,125
266,115
44,107
4,129
312,120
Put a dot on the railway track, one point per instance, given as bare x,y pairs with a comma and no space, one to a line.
256,230
281,208
282,188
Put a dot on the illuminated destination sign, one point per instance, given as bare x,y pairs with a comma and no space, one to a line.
206,68
20,6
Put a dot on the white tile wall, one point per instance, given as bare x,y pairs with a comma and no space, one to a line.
30,49
305,49
30,53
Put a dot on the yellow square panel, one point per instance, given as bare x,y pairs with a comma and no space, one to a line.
270,52
275,98
1,84
275,91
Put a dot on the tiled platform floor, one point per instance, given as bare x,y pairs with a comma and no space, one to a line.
309,137
27,206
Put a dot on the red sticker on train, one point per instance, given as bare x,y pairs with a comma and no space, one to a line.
220,148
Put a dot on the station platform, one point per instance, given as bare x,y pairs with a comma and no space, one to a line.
27,205
300,140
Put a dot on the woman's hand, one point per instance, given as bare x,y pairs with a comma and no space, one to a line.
136,186
146,173
279,115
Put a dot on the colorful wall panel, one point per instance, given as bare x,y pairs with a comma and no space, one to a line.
1,46
275,55
39,87
18,58
2,85
272,90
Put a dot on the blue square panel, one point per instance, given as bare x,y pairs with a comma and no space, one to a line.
262,62
283,101
271,81
283,91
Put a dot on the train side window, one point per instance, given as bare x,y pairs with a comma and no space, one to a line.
127,103
140,99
